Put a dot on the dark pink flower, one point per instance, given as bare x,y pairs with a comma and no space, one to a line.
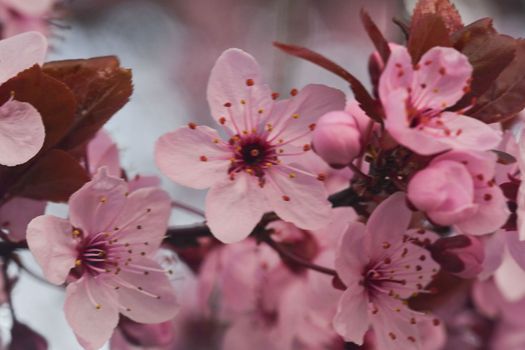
381,266
108,245
249,174
416,97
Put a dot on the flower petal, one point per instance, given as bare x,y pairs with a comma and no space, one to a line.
442,78
469,133
398,72
146,297
20,52
91,311
236,91
296,117
297,197
352,254
234,207
102,151
192,157
389,221
351,320
510,278
96,204
51,242
22,132
143,219
494,249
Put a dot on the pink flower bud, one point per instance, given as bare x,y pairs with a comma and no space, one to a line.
461,255
337,138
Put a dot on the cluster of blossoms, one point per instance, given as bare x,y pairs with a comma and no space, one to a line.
390,220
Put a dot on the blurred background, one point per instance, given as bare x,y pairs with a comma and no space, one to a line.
171,46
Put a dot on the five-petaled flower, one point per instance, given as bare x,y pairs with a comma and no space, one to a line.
382,265
416,99
22,131
252,172
107,247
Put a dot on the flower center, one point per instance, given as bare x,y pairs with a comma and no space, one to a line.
253,154
97,255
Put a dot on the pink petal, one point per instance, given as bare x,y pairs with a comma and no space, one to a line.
510,279
242,195
139,181
481,165
143,219
20,52
441,79
494,250
16,214
473,134
351,320
398,72
297,197
94,206
102,151
91,311
296,116
516,247
51,242
389,221
190,157
146,298
22,132
352,254
237,77
30,7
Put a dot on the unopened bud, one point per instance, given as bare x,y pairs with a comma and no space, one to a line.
461,255
337,138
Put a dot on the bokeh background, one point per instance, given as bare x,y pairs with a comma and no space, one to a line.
171,46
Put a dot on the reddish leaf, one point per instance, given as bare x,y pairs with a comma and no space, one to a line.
24,338
487,51
54,177
504,157
380,43
425,33
101,87
506,95
448,13
54,100
371,106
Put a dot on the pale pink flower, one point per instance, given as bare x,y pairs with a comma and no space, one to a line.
22,131
108,246
381,266
249,174
416,98
18,16
472,201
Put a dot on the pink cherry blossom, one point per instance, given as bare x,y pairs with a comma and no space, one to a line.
21,128
472,201
23,16
107,246
416,98
249,174
381,266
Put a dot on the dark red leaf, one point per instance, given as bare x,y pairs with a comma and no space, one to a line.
24,338
447,11
376,36
371,106
487,51
506,95
504,158
54,100
101,87
54,177
425,33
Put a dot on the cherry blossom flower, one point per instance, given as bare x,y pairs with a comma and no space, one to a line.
248,174
21,128
416,98
472,202
22,16
381,267
107,246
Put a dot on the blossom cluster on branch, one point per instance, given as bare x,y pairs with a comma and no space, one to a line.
393,219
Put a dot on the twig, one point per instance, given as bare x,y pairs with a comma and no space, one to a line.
187,208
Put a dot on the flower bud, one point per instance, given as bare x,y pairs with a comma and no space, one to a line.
461,255
337,138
